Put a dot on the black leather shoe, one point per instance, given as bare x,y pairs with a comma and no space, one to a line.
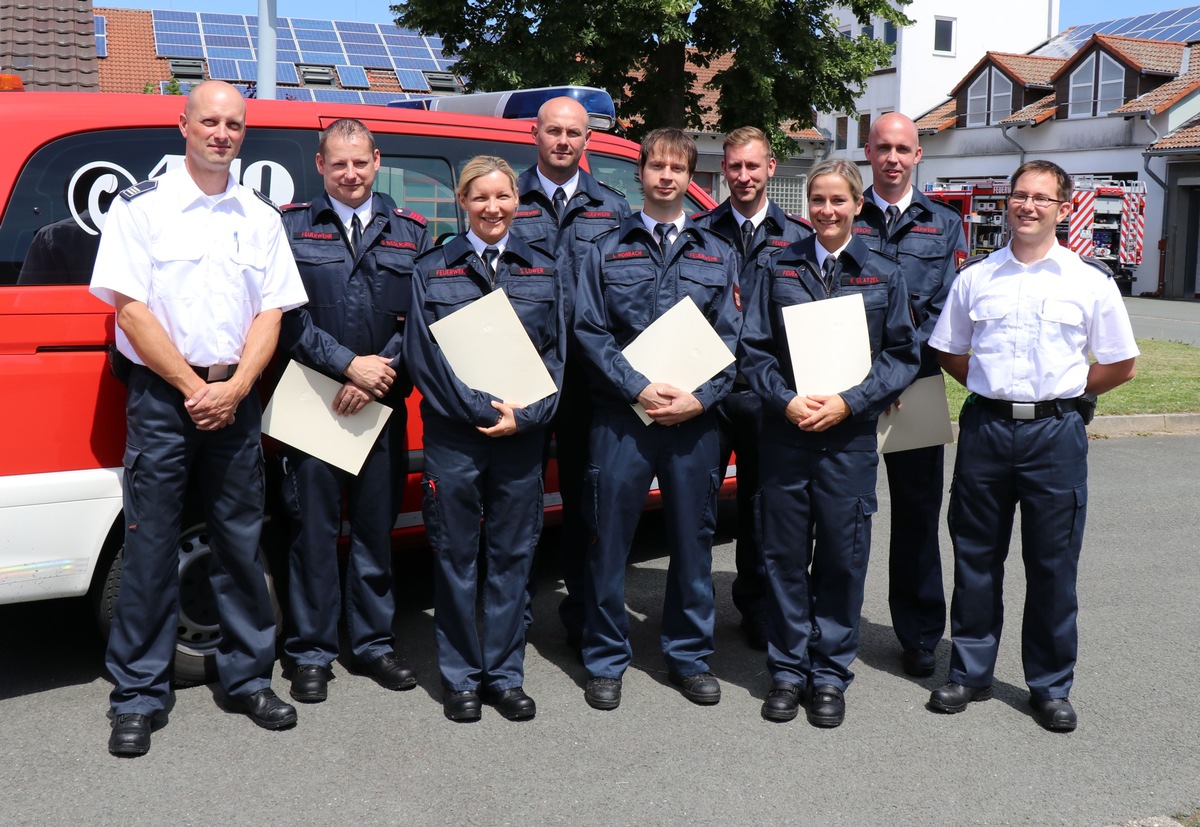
310,683
782,703
826,707
754,628
130,735
390,672
462,706
265,708
918,662
1056,715
603,693
953,697
513,704
702,689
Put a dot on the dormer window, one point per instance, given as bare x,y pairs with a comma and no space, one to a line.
1097,87
989,98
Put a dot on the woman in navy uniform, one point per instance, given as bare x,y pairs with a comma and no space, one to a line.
818,452
482,456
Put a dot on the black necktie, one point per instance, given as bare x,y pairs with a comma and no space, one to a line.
893,217
747,236
355,234
663,231
827,269
490,255
560,202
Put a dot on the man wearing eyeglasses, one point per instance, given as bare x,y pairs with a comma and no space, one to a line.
1017,331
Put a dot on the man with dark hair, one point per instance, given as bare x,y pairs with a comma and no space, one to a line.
752,224
355,252
562,211
200,273
1019,330
927,238
633,275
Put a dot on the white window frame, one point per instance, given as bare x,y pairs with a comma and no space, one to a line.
1111,91
1081,97
953,21
997,111
977,101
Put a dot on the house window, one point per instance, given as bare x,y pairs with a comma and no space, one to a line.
1112,85
943,35
841,132
844,33
1082,89
977,96
864,128
889,33
868,31
1001,106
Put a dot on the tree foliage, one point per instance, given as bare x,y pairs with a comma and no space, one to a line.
787,57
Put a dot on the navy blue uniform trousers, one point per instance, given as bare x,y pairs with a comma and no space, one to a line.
815,509
915,595
161,448
1041,464
625,456
740,418
313,492
570,426
473,481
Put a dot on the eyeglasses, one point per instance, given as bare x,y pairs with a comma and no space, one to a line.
1039,201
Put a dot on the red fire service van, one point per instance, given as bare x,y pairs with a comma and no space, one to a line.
65,157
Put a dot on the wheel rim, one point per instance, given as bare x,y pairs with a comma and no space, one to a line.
199,632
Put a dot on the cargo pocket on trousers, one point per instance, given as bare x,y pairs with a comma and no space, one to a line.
867,505
133,466
430,511
1079,517
590,504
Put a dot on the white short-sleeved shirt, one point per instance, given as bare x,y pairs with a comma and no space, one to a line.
204,265
1030,328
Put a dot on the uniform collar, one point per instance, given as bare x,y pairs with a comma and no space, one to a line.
548,186
883,204
190,195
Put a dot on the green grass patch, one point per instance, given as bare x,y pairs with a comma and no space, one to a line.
1186,820
1167,381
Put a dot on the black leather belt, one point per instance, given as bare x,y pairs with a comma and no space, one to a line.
1026,410
216,373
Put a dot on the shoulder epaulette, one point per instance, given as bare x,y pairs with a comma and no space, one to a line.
130,193
947,206
299,205
611,188
799,219
1099,265
700,214
411,215
266,201
967,262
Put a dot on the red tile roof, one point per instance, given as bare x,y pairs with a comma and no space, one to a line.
1160,99
1034,113
1186,137
1145,55
935,120
50,45
131,62
1027,70
709,98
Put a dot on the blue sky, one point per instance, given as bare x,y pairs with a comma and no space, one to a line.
1071,12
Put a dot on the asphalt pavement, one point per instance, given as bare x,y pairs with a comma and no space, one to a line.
369,756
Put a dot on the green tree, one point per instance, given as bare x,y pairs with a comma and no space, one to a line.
788,58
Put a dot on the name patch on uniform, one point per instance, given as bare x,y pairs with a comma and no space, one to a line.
929,230
777,242
595,214
456,271
315,235
865,231
711,259
534,213
400,245
860,281
623,254
788,274
533,271
799,219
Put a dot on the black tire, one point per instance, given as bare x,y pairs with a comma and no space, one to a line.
199,633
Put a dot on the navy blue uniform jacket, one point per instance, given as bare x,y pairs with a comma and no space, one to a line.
625,284
452,276
792,277
357,304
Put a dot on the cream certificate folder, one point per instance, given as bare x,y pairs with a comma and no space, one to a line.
923,418
679,348
828,343
301,414
488,349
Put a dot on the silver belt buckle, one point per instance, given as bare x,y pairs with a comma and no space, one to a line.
1023,410
218,373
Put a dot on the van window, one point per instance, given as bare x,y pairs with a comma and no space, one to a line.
51,228
622,173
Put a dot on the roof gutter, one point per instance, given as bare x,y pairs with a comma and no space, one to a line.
1147,155
1009,138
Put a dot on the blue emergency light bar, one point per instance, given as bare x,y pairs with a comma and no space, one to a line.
521,104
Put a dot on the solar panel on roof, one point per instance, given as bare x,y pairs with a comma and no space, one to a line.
350,26
353,76
380,98
231,54
323,58
221,69
178,16
286,73
1181,25
233,19
101,45
336,96
177,28
373,38
98,24
309,23
412,79
359,50
247,69
225,40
